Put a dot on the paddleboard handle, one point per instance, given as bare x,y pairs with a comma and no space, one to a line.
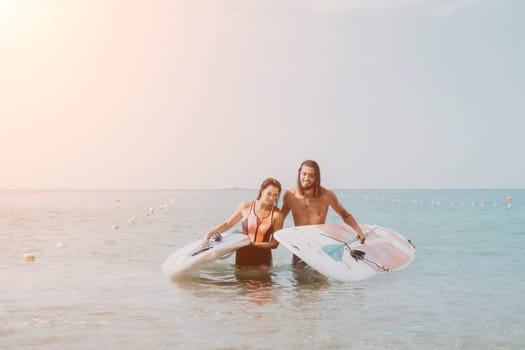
216,236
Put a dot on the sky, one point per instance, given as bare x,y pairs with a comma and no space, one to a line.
167,94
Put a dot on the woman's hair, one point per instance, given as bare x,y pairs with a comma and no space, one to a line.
317,182
270,182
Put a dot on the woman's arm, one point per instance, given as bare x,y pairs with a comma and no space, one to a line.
226,225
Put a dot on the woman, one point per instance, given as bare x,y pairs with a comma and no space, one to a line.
261,218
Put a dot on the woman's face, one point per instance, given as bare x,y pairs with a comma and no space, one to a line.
270,194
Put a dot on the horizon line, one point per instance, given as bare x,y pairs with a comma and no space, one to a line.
254,188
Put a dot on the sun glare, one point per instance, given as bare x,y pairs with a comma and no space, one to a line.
22,16
25,27
14,15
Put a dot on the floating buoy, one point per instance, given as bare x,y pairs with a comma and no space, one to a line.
29,257
117,199
509,199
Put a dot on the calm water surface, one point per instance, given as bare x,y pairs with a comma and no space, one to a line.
93,286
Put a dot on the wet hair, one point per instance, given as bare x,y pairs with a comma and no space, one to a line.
270,182
317,182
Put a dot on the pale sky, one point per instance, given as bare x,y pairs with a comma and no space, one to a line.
212,94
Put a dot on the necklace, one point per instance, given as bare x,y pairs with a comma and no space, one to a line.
262,211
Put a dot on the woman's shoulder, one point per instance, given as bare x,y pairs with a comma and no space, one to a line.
277,211
245,204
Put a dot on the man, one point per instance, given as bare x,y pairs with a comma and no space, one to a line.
309,202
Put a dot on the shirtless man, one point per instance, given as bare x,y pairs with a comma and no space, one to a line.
309,202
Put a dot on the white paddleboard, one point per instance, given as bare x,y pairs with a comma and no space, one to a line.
335,251
196,254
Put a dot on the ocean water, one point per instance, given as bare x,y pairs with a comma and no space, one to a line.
95,286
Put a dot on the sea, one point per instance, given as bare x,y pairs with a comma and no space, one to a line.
81,269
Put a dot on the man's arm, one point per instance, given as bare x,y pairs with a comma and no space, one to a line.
346,216
286,208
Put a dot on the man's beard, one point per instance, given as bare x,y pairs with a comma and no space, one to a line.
302,187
